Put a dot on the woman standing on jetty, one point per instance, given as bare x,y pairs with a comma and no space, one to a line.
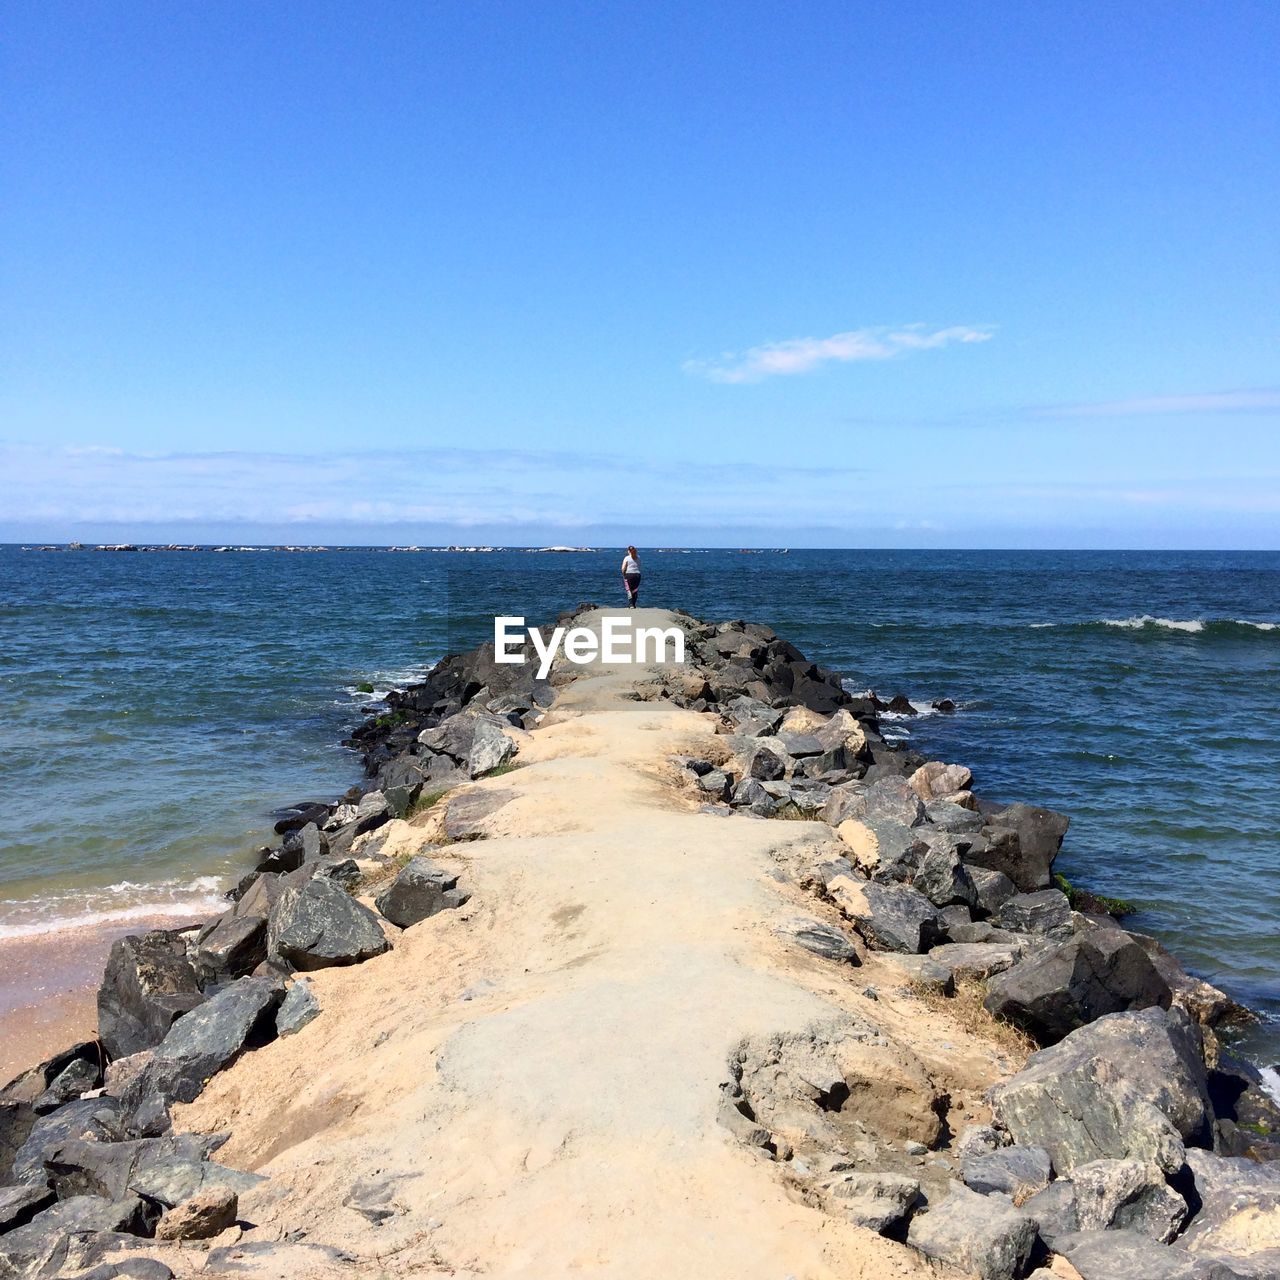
631,574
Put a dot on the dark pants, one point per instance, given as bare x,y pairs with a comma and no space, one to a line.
633,586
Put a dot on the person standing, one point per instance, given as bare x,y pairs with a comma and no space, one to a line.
631,575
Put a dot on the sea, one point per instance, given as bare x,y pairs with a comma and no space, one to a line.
157,707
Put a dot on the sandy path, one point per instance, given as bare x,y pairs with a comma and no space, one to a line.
538,1074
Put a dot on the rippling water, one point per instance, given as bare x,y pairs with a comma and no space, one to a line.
155,707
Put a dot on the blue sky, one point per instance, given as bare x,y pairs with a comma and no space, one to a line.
908,274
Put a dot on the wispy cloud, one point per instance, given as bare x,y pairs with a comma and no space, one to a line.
1261,400
800,355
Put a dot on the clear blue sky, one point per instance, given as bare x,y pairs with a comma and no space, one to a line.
920,274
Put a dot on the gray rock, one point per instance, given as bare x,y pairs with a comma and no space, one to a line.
148,983
95,1118
715,784
768,763
1046,912
318,924
877,1201
1127,1194
978,1140
983,1235
800,745
893,798
42,1244
1131,1085
941,876
198,1046
231,945
822,939
1234,1194
490,748
749,794
165,1171
1016,1171
975,959
19,1204
420,890
1038,835
465,814
928,973
953,818
1097,972
892,917
992,888
298,1008
848,800
899,850
1129,1255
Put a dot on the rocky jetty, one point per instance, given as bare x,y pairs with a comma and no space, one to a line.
714,942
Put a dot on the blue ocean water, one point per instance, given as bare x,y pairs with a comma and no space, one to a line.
156,707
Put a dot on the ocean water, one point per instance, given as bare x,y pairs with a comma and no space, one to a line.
156,707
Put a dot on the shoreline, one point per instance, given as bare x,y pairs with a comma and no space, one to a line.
599,903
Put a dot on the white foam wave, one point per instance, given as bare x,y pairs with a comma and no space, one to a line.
1271,1080
65,912
1258,626
1190,625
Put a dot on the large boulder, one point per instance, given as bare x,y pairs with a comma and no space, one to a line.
1037,836
893,798
230,946
97,1119
421,889
1015,1171
981,1235
892,917
41,1246
58,1080
884,849
19,1204
1098,971
1238,1214
148,983
934,780
1129,1255
318,924
204,1042
1129,1086
490,748
941,875
1046,911
821,939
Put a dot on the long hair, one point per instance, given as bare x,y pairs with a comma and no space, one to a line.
634,554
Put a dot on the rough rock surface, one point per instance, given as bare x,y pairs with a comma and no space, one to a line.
319,924
982,1235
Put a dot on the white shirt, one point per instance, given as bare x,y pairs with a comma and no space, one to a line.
629,565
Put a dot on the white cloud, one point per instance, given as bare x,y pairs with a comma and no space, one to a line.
800,355
1205,402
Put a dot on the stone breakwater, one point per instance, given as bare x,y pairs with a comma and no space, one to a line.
886,1039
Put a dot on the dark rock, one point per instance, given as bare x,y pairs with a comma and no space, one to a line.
1016,1171
976,959
768,764
230,946
420,890
297,816
1131,1085
1126,1195
901,705
19,1204
941,876
148,983
199,1045
1097,972
1046,912
848,800
42,1244
749,794
822,939
318,925
983,1235
992,888
952,817
893,917
94,1118
1039,835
